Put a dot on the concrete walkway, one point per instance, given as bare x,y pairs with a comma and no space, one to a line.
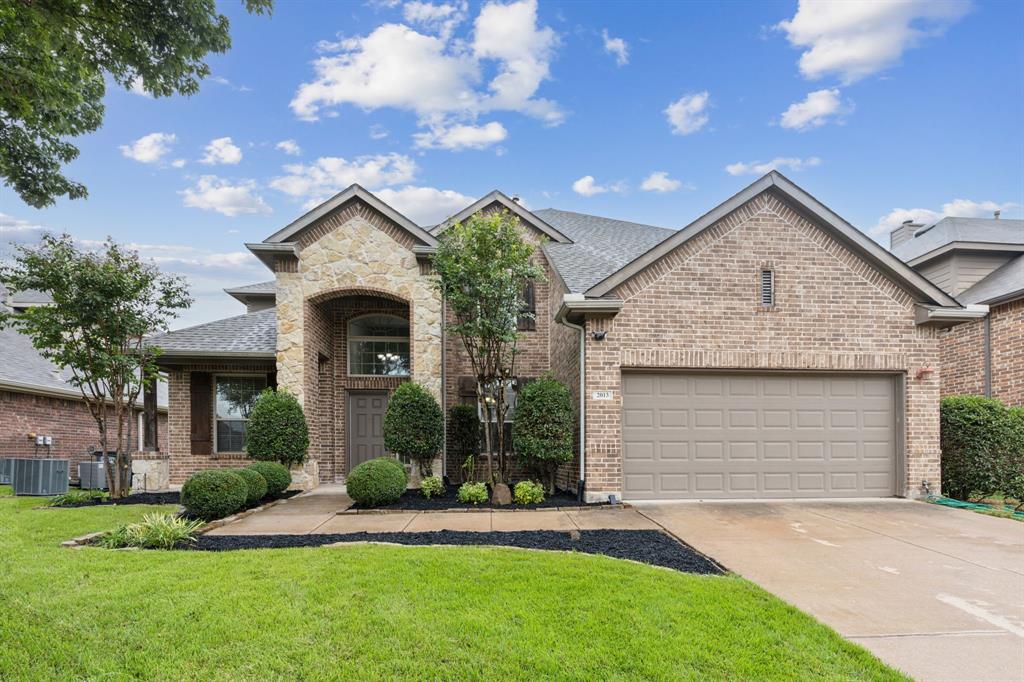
317,512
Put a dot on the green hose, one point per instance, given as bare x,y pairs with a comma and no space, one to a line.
973,506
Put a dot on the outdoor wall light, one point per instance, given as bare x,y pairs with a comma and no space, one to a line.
599,336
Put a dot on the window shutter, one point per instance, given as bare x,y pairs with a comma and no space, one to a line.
767,288
201,395
467,387
528,323
272,380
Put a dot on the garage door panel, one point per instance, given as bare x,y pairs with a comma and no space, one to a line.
757,436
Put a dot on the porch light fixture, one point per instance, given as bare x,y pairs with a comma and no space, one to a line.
599,336
922,372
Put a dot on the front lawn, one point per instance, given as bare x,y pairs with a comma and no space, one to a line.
375,612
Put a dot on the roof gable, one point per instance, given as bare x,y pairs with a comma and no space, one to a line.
514,207
969,234
814,210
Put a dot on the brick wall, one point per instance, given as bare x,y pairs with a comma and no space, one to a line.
68,421
698,307
963,355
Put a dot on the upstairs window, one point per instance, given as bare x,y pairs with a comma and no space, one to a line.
378,345
767,288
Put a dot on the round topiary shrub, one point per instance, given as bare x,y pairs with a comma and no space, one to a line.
414,426
543,429
376,482
277,430
214,494
256,484
276,475
473,493
528,492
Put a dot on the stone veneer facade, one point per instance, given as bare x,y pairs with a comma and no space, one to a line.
963,355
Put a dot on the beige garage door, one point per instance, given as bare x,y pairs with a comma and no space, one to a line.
758,435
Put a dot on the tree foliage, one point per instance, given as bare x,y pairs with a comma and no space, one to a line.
54,56
544,426
484,266
982,448
277,429
105,303
414,426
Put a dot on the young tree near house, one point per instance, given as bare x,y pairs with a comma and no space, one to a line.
55,56
484,266
105,303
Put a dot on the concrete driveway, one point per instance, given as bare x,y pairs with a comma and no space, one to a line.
935,592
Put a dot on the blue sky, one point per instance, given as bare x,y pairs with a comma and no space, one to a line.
652,112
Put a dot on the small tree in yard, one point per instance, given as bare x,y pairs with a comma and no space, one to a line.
543,429
484,266
105,303
277,429
414,426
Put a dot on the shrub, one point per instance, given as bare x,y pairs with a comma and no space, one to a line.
431,486
377,482
982,448
473,493
414,426
277,430
276,475
156,531
77,498
464,438
528,492
254,483
543,429
214,494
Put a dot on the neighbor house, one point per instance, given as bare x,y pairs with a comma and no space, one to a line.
37,399
980,261
767,349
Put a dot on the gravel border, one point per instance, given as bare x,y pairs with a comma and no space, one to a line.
645,546
413,500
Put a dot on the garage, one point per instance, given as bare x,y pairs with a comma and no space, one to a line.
731,435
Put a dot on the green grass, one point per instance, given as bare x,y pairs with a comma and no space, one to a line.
373,612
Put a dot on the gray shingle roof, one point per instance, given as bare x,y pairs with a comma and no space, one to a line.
268,288
1005,283
601,246
948,230
252,334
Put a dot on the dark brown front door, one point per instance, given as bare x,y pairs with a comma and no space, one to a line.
365,426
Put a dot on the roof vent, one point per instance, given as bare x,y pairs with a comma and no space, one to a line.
515,198
995,214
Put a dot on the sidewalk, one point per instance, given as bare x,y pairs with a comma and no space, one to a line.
317,512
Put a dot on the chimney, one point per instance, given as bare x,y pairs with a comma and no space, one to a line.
903,233
995,214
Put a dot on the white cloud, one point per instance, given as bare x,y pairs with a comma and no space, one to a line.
378,132
817,109
425,205
758,168
212,193
289,147
688,114
18,231
331,174
961,208
440,78
659,181
221,80
149,148
221,151
138,88
617,47
461,136
588,187
857,39
178,163
441,19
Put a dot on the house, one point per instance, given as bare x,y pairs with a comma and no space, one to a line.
37,398
980,261
767,349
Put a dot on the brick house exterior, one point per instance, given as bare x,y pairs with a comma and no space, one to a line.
641,300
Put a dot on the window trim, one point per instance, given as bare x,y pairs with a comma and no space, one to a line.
349,338
213,404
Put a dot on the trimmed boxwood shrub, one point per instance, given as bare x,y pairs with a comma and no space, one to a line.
376,482
276,475
543,429
414,426
277,430
982,448
528,492
214,494
255,483
473,493
464,438
431,486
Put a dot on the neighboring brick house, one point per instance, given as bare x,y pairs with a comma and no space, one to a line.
768,349
36,398
979,262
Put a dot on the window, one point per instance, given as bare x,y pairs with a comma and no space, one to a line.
527,321
378,345
235,397
767,288
511,394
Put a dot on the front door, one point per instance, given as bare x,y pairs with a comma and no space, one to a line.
365,426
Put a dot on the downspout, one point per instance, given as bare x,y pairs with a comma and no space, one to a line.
988,356
581,482
444,388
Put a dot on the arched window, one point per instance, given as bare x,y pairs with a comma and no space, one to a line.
378,345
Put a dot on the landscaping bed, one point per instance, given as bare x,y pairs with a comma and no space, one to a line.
413,500
646,546
171,497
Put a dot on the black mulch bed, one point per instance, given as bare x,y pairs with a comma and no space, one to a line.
413,500
149,498
646,546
